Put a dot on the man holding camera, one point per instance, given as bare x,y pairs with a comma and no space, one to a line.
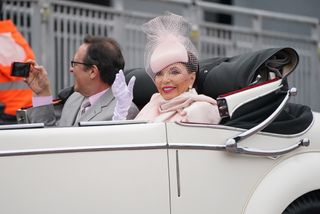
95,65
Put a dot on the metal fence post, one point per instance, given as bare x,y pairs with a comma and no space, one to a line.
36,30
41,36
194,14
119,29
257,27
47,41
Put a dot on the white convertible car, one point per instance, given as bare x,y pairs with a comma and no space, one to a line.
263,158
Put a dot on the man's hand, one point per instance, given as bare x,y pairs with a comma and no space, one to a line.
123,94
38,80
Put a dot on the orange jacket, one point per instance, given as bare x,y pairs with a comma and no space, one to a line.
14,93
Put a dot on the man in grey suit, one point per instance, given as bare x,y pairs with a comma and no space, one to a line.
95,65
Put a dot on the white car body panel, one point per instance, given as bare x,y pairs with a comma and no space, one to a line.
85,182
227,183
287,180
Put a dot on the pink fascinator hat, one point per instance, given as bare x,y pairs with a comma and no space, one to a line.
168,42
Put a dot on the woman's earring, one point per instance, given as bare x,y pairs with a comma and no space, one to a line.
190,87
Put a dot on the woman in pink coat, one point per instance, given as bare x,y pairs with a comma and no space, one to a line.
171,60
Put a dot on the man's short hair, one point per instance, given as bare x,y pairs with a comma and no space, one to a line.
106,54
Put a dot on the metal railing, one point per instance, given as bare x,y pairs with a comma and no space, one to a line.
56,28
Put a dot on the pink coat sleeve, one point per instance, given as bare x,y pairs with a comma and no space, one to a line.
202,112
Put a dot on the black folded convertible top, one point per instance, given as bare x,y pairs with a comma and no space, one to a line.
222,75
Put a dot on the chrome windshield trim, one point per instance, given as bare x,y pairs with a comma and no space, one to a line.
25,152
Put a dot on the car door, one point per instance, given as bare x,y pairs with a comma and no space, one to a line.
97,169
205,178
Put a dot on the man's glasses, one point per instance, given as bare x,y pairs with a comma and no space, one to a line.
73,63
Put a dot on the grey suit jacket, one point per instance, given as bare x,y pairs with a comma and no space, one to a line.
101,110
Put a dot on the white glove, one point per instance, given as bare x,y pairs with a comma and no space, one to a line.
123,94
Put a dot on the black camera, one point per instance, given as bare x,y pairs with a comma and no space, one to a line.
20,69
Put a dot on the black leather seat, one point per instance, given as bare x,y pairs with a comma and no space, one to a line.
144,87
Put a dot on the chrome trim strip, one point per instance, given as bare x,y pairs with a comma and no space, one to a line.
242,150
238,150
22,126
111,122
197,146
24,152
207,125
178,173
271,153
